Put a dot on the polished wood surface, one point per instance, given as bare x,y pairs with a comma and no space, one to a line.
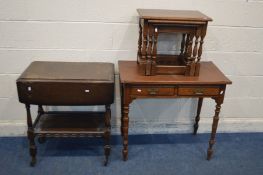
65,93
67,83
209,74
190,25
173,14
69,71
211,83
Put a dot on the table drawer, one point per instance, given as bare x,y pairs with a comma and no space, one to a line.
154,91
62,93
196,91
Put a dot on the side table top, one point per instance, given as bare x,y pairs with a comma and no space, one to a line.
186,15
69,71
209,74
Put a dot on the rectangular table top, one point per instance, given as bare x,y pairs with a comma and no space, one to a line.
209,74
186,15
69,71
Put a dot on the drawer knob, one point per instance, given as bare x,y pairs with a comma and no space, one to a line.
87,90
139,90
29,88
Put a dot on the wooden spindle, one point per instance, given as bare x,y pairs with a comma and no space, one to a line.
189,49
155,38
145,40
195,47
139,54
183,44
186,45
150,45
200,50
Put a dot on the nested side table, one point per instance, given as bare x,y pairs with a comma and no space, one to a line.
67,84
190,25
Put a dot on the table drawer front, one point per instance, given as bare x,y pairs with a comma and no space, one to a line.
154,91
198,91
65,93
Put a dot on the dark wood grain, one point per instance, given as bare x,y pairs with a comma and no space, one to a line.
192,25
67,84
209,74
173,14
211,83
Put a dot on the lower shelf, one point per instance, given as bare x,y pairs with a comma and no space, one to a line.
70,124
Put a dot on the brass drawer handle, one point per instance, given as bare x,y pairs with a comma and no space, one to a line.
198,91
153,91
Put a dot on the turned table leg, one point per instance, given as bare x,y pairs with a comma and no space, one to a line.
219,101
121,95
125,128
107,134
41,139
40,109
31,136
197,118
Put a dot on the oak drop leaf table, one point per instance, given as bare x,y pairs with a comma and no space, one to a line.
67,84
211,83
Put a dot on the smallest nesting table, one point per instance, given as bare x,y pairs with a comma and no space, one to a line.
67,84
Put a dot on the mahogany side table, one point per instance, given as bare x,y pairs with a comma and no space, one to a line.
190,25
211,83
67,84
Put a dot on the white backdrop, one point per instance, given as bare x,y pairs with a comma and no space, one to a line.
103,30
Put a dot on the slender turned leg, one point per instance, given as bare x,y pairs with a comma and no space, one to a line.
107,134
31,136
197,118
219,101
40,109
41,139
125,128
121,109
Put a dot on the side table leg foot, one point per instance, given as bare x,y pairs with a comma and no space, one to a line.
33,162
209,154
195,129
212,141
107,149
106,162
125,155
32,148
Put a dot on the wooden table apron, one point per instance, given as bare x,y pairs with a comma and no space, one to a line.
132,87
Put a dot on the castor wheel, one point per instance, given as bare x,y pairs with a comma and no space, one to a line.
41,140
33,162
